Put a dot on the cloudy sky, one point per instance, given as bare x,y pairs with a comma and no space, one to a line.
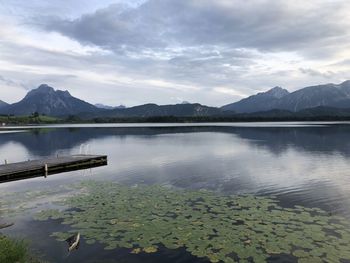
168,51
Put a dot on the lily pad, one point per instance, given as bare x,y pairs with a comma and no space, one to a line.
252,228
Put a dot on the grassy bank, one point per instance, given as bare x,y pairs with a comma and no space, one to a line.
15,120
43,119
12,250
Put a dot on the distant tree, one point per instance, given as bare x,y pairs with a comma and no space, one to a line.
73,118
36,114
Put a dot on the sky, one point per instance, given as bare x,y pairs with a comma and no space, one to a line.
133,52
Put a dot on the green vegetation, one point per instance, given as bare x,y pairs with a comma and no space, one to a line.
199,119
32,119
43,119
15,251
243,228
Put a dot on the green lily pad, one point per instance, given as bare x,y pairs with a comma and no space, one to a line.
204,223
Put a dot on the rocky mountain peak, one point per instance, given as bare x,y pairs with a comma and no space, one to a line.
46,100
43,89
277,92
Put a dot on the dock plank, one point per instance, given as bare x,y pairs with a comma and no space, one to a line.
32,168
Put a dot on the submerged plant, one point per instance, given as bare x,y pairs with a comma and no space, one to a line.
221,228
12,250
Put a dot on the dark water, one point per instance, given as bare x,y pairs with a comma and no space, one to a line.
300,163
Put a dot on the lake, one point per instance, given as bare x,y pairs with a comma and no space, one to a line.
300,166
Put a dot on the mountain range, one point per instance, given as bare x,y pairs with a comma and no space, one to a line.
151,110
107,107
3,104
328,95
46,100
320,100
263,101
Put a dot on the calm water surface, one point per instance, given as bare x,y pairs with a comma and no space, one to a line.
300,163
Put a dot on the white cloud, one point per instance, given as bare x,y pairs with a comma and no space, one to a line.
133,52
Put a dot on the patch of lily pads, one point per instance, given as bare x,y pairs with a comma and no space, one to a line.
233,228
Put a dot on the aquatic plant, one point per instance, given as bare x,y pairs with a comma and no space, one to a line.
19,203
12,250
220,228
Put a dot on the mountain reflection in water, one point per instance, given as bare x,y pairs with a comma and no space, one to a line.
300,165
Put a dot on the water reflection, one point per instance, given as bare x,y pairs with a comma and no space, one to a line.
323,139
305,165
300,164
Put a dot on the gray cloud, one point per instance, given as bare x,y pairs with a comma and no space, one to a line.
156,24
165,51
9,82
328,74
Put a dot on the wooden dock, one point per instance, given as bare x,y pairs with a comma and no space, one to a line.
44,167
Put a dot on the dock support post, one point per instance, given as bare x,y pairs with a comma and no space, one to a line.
46,170
36,168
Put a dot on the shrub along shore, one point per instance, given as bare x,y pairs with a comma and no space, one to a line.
13,250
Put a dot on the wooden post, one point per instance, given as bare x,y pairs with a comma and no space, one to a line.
5,161
46,169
